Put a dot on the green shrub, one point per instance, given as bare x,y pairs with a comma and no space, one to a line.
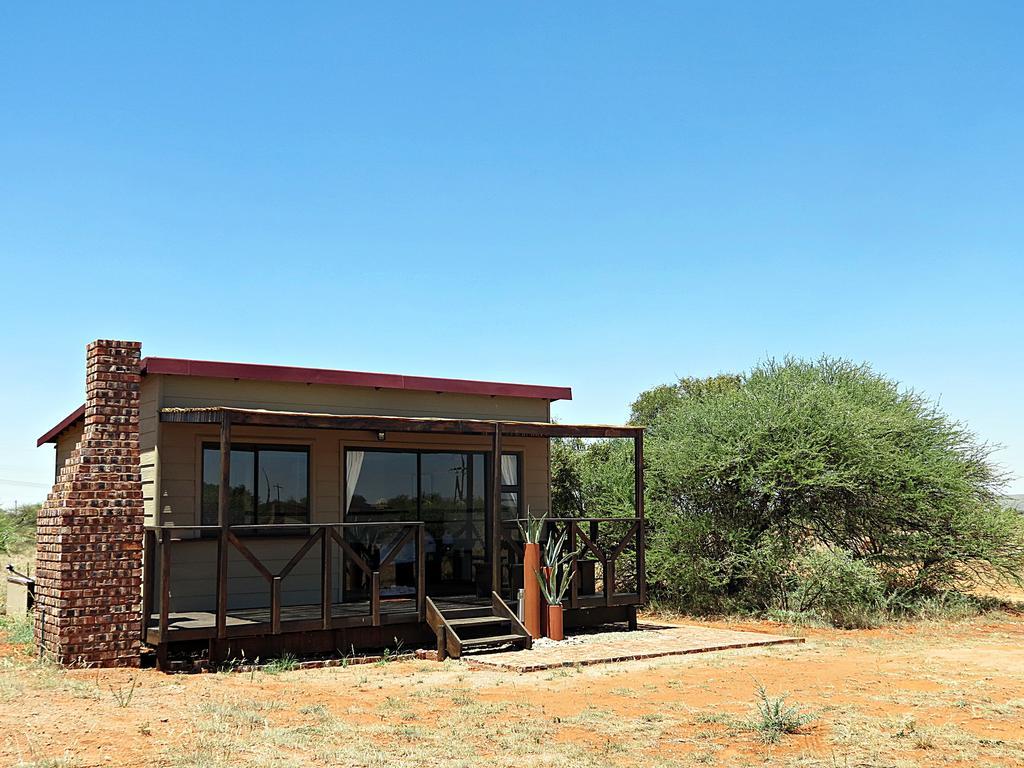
8,533
690,563
17,528
17,629
832,584
941,606
286,662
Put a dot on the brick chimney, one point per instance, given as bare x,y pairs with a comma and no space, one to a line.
89,534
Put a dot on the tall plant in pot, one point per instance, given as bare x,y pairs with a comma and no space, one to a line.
553,558
531,531
554,588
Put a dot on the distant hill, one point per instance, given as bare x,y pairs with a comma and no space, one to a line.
1015,501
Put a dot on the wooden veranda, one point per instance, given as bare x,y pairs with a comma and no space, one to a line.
605,542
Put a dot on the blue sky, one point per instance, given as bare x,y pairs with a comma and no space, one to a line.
601,195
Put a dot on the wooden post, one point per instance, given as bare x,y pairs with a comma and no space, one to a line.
149,580
442,643
275,605
223,512
165,582
375,598
495,488
326,578
638,503
421,572
574,587
609,579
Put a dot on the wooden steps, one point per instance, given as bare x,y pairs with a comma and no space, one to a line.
491,640
474,622
460,630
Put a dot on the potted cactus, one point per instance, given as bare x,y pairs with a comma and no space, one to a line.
554,589
531,571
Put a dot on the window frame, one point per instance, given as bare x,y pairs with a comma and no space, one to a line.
516,489
418,452
256,447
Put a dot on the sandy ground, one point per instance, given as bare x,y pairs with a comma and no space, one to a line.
930,694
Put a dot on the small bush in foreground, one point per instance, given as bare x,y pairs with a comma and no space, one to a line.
775,718
285,663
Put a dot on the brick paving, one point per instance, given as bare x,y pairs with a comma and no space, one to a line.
648,642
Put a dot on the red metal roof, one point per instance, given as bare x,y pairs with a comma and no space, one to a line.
254,372
51,436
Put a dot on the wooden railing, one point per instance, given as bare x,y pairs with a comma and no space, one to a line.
603,541
158,563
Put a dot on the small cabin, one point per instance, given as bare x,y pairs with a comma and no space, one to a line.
253,509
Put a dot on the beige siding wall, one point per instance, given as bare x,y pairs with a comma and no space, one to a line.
194,391
175,452
66,443
149,443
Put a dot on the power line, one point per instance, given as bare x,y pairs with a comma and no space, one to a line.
24,483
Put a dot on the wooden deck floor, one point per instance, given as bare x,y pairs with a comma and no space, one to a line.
249,622
190,625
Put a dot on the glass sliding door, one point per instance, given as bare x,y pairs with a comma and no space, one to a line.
447,491
453,509
383,487
380,487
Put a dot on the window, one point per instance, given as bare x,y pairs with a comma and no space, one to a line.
269,484
510,495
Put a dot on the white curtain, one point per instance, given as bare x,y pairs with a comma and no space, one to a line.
508,470
353,466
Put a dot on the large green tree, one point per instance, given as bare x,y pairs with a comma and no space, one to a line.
805,483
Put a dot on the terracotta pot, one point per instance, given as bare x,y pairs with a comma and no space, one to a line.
546,573
531,589
555,629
